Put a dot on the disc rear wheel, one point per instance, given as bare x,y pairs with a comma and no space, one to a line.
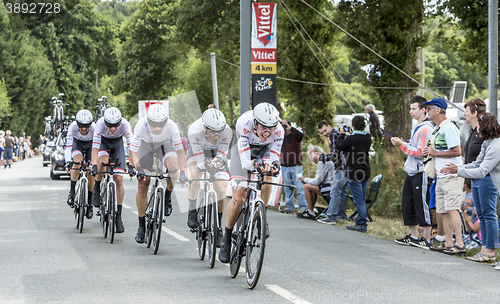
81,202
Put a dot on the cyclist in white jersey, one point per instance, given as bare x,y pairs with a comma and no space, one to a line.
260,137
78,143
156,134
209,139
108,134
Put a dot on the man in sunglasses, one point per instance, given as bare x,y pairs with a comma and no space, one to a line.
260,137
155,133
108,136
209,139
78,148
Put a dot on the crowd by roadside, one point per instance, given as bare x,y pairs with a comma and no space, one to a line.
13,148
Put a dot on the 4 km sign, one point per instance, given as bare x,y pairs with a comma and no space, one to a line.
263,53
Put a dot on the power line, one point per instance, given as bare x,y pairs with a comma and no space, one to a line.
378,55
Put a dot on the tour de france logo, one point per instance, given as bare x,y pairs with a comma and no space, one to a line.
263,84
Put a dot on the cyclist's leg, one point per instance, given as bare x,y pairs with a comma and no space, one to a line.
193,194
76,155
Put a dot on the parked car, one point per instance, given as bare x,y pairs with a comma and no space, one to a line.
57,160
46,151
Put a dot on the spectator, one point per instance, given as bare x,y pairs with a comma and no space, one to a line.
472,236
467,198
338,195
39,143
448,187
21,148
291,168
321,183
27,147
375,130
2,140
416,187
8,154
487,162
16,148
357,160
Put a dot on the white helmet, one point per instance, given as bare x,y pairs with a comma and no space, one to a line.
214,120
112,117
157,116
84,118
266,114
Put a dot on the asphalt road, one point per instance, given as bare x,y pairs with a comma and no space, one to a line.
45,260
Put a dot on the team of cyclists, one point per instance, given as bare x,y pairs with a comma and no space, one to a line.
256,147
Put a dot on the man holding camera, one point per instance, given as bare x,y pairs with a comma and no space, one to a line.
338,194
291,164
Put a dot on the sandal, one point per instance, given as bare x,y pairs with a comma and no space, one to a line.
474,257
455,250
481,257
439,248
496,264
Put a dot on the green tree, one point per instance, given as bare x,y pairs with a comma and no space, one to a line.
394,33
472,18
147,57
4,101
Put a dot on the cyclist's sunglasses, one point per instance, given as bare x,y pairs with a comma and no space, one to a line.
115,125
81,126
153,124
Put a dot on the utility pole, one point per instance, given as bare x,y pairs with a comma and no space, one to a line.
214,80
245,65
493,55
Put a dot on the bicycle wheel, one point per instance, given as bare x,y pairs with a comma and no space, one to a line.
111,211
237,241
81,202
211,229
158,219
201,234
103,206
256,245
76,210
150,216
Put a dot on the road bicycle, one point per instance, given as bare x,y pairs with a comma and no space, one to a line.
108,203
81,199
206,233
101,107
154,217
58,113
249,233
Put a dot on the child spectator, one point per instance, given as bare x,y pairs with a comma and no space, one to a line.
320,184
473,239
468,200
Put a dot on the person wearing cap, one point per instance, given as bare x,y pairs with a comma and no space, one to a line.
449,187
156,134
108,134
210,139
259,139
79,148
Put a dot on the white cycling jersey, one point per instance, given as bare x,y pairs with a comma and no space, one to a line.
74,133
101,130
246,137
142,132
199,143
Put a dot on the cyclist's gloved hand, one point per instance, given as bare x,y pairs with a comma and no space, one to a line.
94,170
182,177
322,158
208,163
259,164
131,171
69,165
140,173
275,166
222,162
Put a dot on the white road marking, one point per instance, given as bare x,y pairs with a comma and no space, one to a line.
286,294
172,233
127,207
175,234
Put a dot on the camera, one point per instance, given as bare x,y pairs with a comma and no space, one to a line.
345,128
